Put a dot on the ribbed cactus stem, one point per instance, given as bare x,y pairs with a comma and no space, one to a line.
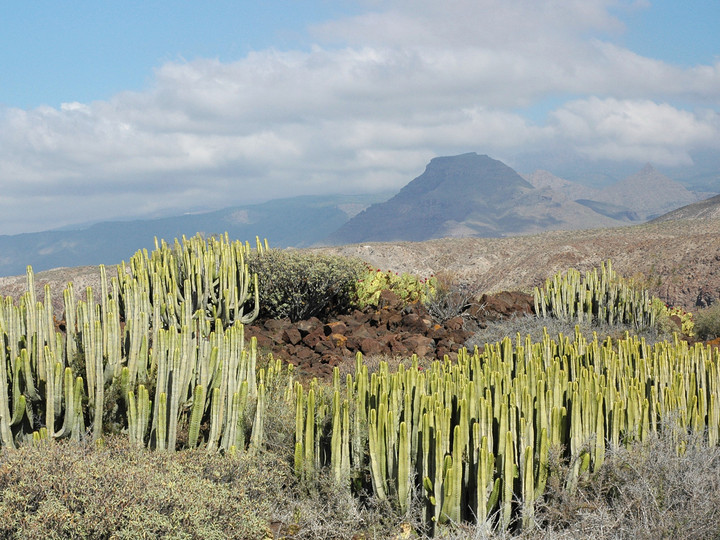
309,461
99,382
403,475
336,441
258,431
528,489
161,433
508,478
196,414
5,418
376,474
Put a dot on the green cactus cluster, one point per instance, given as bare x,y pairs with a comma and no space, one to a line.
598,295
665,314
408,287
161,355
475,436
162,350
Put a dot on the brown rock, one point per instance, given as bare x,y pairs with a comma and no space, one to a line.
412,322
305,327
338,340
420,345
436,332
313,337
276,325
264,341
291,335
335,327
370,346
456,323
305,355
390,300
502,305
331,360
324,346
393,321
397,347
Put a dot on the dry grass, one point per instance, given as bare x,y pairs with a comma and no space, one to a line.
535,326
646,491
67,490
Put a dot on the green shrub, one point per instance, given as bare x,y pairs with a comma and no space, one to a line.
707,322
301,285
70,490
664,315
408,287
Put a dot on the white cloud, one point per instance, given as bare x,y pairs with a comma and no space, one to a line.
408,81
636,130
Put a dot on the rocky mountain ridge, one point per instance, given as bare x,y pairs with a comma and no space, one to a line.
475,195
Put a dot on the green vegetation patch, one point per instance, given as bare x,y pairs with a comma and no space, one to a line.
300,285
71,490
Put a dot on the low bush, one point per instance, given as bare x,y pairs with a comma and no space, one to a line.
644,491
74,490
301,285
451,297
673,319
707,322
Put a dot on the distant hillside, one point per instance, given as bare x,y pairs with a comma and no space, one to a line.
709,209
298,222
572,190
468,195
648,193
677,259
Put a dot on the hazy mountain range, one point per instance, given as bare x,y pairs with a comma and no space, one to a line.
456,196
474,195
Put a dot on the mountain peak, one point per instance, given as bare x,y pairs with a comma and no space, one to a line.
648,169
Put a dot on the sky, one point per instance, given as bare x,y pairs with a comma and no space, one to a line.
117,110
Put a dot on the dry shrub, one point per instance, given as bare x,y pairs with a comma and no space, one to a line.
707,322
644,491
533,326
453,296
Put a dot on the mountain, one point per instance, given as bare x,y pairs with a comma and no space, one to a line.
572,190
467,195
298,222
647,193
709,209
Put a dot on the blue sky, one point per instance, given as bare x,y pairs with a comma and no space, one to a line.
127,109
53,52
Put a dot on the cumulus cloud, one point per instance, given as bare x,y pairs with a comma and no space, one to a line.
362,110
636,130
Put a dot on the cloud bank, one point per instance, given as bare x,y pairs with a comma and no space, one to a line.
362,110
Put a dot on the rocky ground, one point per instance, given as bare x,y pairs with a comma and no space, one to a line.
391,330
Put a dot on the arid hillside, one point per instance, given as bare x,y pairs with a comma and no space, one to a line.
678,260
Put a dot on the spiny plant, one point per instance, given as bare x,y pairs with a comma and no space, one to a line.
600,294
163,348
409,288
665,313
475,436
